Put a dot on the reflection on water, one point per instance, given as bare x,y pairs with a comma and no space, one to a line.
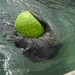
61,13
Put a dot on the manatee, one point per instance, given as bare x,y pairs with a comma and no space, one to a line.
42,48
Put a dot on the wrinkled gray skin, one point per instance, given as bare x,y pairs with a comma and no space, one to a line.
39,49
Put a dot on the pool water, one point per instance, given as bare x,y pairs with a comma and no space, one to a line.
60,13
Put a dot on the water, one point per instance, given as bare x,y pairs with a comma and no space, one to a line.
59,13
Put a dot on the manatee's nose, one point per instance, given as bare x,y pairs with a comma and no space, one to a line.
18,41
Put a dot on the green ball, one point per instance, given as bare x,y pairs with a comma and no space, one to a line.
28,25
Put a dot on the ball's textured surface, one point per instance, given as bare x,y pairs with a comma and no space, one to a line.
28,25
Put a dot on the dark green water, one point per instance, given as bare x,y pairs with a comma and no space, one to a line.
60,13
